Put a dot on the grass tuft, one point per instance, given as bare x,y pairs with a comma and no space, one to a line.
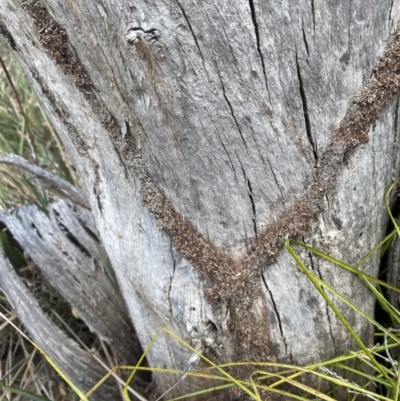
369,373
25,130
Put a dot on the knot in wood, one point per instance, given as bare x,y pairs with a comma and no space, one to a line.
136,34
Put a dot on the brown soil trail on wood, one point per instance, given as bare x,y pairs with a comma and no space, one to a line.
237,283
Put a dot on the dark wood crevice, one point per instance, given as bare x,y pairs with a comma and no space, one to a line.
298,218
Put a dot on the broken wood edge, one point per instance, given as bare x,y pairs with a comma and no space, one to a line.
61,185
218,267
77,364
65,253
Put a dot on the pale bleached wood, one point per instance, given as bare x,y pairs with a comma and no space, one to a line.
77,364
231,99
64,247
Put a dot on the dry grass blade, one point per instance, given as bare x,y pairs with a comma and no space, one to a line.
25,130
57,182
31,141
23,373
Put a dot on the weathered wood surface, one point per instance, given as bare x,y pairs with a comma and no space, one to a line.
355,221
230,108
77,364
63,245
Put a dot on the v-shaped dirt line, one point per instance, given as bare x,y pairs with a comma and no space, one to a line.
238,282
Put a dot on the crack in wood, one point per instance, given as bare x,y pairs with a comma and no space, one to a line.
237,282
7,36
313,14
315,267
253,206
305,41
232,112
391,19
305,111
229,157
194,38
257,33
275,310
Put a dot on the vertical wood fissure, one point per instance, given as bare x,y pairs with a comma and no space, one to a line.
299,215
307,121
257,34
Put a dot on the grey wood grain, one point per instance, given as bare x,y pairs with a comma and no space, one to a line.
230,107
69,257
78,365
239,59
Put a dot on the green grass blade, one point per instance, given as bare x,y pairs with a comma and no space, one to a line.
345,266
320,286
386,201
24,393
224,373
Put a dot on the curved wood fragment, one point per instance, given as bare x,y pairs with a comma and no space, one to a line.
77,364
63,246
57,182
